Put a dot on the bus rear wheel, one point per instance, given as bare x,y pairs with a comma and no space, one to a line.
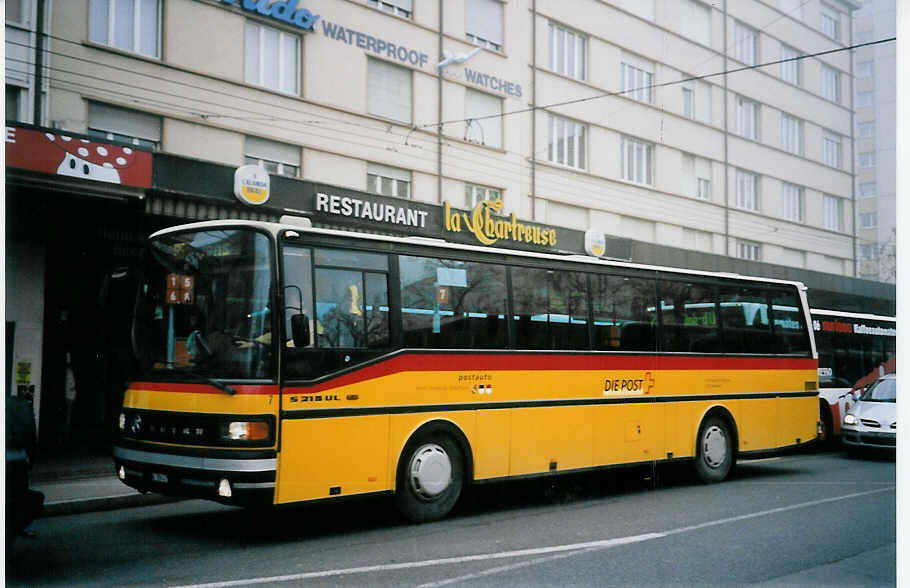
430,477
714,456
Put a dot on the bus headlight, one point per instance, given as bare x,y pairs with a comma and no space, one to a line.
850,420
122,421
246,431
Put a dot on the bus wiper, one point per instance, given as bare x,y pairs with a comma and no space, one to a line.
220,385
216,383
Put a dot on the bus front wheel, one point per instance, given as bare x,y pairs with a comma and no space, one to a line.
714,455
430,478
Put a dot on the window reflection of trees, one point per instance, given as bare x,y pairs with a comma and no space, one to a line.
625,313
466,312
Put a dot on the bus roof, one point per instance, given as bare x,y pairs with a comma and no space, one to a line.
852,315
276,228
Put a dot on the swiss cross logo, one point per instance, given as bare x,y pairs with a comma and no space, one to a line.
648,383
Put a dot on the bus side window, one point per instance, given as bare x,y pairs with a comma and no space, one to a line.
624,313
790,334
744,320
298,295
452,304
551,309
688,317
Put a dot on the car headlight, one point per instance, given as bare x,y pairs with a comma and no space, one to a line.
246,431
850,420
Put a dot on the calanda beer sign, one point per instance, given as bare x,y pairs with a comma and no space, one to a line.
488,229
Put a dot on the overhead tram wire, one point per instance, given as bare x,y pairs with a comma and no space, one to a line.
499,168
592,183
661,85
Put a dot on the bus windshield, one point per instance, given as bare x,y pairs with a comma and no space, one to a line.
204,306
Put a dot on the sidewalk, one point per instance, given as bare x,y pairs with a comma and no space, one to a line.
84,483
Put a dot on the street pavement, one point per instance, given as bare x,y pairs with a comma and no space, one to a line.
74,484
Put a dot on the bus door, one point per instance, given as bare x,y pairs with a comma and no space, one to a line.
334,437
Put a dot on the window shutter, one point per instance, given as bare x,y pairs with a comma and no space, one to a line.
389,90
483,18
124,122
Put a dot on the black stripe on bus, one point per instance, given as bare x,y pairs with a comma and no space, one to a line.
321,413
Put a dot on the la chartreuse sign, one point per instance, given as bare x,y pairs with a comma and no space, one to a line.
488,229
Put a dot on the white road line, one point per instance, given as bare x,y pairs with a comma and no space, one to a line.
550,552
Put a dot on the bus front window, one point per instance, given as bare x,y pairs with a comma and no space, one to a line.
204,309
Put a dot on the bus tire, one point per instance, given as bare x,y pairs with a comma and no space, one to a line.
714,455
430,477
826,440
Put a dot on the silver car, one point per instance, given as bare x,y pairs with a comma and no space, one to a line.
872,422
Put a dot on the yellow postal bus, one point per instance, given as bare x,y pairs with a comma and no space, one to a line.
283,363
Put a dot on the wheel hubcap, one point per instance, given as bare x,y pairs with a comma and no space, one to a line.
714,448
431,471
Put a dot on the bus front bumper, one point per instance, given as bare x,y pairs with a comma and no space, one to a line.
241,481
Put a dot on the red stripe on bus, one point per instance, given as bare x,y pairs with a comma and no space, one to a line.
415,362
204,388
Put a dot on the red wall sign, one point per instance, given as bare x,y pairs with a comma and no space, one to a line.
61,154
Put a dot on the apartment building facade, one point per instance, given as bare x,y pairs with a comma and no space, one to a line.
648,121
875,100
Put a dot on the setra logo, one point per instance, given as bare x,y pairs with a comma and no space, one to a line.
136,425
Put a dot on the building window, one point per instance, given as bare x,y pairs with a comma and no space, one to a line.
791,134
388,90
637,161
746,190
833,212
830,84
830,23
566,143
277,158
474,194
397,7
388,181
15,100
703,188
695,22
111,123
791,71
746,39
865,98
484,118
867,159
696,176
868,251
748,250
688,95
129,25
831,150
793,202
866,129
272,58
16,12
483,23
636,82
567,51
868,220
747,118
868,189
864,69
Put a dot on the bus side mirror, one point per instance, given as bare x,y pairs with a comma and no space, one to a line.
300,330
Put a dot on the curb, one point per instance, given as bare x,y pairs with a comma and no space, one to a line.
84,505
